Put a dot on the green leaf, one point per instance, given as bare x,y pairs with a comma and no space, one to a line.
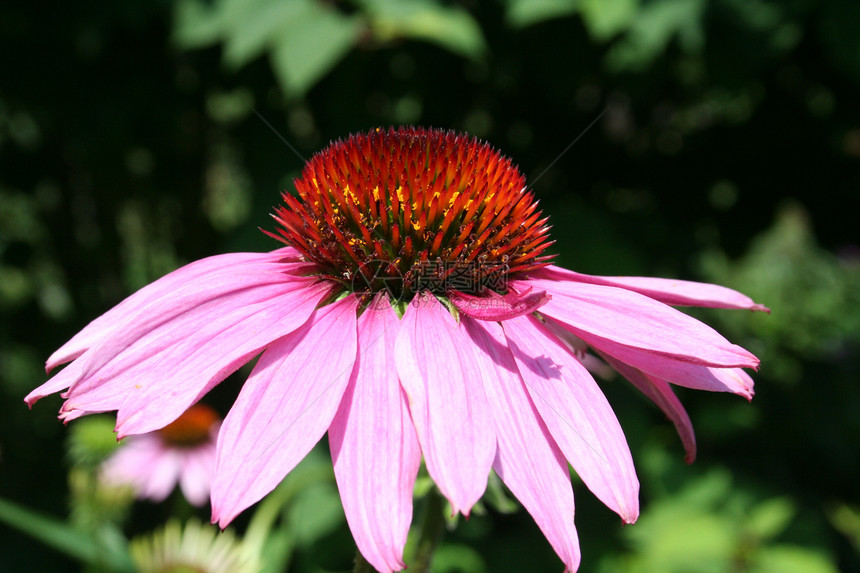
102,548
451,27
315,512
653,27
423,485
846,519
252,32
522,13
606,18
496,496
791,559
457,558
310,45
278,550
195,24
770,517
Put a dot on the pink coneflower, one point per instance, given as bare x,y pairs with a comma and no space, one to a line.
182,452
412,313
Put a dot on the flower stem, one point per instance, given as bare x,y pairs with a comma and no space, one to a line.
431,532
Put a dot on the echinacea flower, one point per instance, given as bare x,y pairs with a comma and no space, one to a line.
413,313
182,452
194,547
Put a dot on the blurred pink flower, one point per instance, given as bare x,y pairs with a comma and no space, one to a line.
182,452
412,313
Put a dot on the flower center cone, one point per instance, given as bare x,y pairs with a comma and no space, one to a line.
411,209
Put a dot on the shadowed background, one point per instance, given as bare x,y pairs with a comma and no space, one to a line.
726,149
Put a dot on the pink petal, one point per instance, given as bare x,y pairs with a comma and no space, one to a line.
668,291
284,408
527,459
132,460
198,466
162,476
224,290
496,307
659,392
684,374
577,415
600,313
57,383
446,398
374,446
196,273
156,371
144,463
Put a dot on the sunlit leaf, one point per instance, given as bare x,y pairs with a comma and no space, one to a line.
497,497
791,559
450,27
654,26
606,18
458,558
846,519
310,45
315,512
522,13
770,517
195,24
252,32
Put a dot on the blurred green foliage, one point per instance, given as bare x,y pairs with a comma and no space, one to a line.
137,136
713,524
783,266
305,39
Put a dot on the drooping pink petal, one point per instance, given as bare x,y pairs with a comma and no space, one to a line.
597,313
139,314
669,291
527,457
284,408
659,392
226,289
446,398
374,446
681,373
577,414
57,383
196,273
496,307
158,371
